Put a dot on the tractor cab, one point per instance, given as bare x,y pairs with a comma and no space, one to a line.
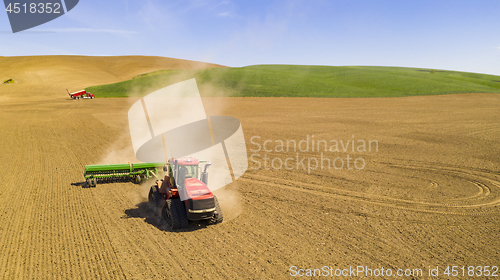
187,168
185,178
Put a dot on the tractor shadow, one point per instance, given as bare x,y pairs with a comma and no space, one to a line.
84,185
152,216
81,184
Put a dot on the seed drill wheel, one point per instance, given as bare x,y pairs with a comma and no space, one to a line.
94,182
155,198
88,183
138,179
174,213
218,217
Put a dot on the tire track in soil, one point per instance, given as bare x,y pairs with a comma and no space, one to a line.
395,237
472,176
484,191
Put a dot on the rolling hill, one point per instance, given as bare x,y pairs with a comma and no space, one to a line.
309,81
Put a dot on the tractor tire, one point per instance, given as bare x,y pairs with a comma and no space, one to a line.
218,217
94,182
155,198
174,213
138,179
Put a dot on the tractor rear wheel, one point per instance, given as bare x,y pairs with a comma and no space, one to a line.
218,217
155,198
174,213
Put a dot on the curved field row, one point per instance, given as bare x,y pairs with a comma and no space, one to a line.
483,193
486,193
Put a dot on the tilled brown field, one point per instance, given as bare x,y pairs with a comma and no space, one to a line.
429,196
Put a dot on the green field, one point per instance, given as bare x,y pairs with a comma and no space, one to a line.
309,81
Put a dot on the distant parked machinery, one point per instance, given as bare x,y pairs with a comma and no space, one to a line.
81,94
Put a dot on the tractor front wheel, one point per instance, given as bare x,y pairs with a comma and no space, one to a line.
174,213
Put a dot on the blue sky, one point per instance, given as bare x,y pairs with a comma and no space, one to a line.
454,35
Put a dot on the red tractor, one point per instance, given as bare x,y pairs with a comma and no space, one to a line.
183,195
80,94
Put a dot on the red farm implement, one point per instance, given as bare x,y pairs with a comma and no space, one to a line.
80,94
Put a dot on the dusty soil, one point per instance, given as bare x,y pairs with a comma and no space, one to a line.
430,195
